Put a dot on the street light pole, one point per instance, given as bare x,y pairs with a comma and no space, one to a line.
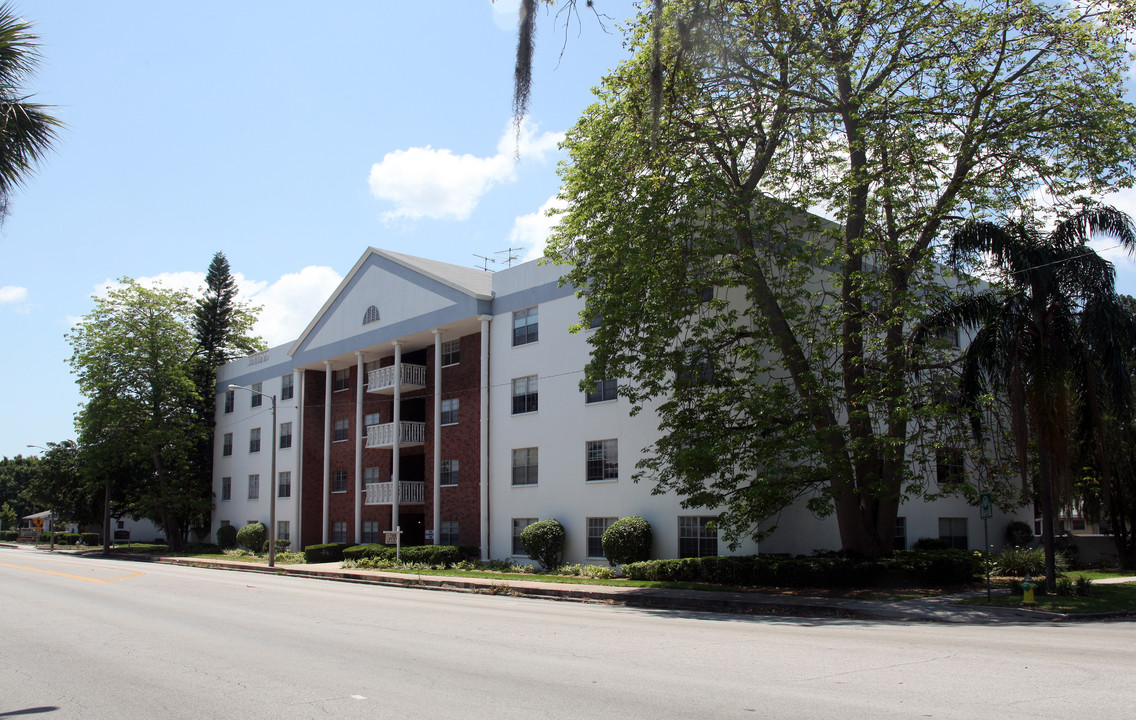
272,499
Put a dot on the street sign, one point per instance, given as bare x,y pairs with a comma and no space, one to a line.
38,522
390,537
986,506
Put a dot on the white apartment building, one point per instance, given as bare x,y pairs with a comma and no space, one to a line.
493,429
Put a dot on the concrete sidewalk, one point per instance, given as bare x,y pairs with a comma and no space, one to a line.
940,608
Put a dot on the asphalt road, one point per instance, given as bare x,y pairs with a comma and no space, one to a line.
92,639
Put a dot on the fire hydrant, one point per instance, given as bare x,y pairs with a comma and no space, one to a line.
1027,591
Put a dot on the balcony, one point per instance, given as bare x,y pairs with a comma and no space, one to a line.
409,493
381,380
382,436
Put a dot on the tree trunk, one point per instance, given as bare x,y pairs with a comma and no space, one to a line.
1044,472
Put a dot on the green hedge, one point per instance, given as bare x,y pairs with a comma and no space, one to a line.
627,540
9,535
331,552
440,555
931,568
91,539
358,552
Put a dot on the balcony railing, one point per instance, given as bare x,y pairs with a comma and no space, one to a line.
409,493
382,436
381,380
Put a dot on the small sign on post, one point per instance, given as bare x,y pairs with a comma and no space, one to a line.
394,536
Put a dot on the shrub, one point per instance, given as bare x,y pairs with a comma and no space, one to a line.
91,539
1019,534
931,544
440,556
227,537
282,545
1066,586
331,552
544,542
253,536
1016,562
358,552
9,535
627,540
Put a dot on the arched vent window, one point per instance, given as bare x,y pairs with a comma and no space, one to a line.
372,315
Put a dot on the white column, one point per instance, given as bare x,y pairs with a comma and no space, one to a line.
326,448
484,475
437,436
359,450
397,419
298,450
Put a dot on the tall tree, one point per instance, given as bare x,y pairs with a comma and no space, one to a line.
791,380
1051,332
59,485
132,357
26,129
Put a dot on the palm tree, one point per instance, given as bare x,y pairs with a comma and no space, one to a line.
1052,337
26,129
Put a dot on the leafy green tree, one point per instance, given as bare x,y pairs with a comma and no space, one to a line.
8,517
28,130
774,346
1050,332
59,485
15,474
132,357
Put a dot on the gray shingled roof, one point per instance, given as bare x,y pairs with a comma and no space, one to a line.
469,279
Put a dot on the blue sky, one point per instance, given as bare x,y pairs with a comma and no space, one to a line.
286,135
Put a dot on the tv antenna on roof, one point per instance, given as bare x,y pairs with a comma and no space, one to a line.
485,261
509,256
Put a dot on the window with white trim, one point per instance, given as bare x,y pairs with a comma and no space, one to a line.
602,391
520,524
371,475
339,481
370,532
257,398
340,379
285,435
525,394
450,409
900,540
949,467
697,536
254,440
284,484
283,530
254,487
525,466
449,472
341,430
596,528
339,531
525,326
287,386
451,352
602,460
226,488
230,400
449,533
227,444
954,531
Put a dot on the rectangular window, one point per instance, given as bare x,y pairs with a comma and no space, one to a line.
900,542
370,532
341,430
227,444
287,388
596,528
520,524
284,484
226,488
339,481
524,466
449,472
603,460
953,530
370,419
595,321
257,398
697,536
948,335
340,379
449,533
524,395
230,400
285,435
371,475
450,411
254,440
525,326
602,391
283,530
451,352
339,531
254,487
949,469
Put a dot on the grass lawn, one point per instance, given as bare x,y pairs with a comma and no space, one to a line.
1101,599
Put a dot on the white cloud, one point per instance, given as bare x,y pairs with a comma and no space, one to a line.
505,13
12,294
531,231
438,184
289,304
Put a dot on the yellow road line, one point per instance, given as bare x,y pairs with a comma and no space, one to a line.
75,577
